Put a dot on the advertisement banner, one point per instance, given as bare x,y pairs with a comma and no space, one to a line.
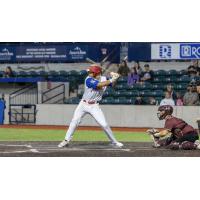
52,53
75,52
41,53
190,51
178,51
165,51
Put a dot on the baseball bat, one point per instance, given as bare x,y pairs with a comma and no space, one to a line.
106,58
93,62
125,58
90,61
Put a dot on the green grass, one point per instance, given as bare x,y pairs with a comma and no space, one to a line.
9,134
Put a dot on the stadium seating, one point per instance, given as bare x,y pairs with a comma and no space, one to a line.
122,86
123,80
158,87
160,73
43,73
108,100
181,72
22,74
73,100
31,74
122,93
53,73
171,73
133,93
157,93
184,79
145,93
63,73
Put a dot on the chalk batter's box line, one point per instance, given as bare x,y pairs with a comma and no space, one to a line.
17,145
78,149
39,148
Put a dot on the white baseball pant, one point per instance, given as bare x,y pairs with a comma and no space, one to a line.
95,111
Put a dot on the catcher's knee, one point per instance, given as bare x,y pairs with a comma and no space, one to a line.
188,145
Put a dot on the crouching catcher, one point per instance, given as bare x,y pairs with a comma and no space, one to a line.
177,134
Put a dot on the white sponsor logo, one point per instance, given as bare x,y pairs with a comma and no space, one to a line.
5,52
186,50
165,51
77,51
190,51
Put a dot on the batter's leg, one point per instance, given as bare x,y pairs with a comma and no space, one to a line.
98,115
78,115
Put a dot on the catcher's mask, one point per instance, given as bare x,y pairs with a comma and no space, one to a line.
95,69
163,111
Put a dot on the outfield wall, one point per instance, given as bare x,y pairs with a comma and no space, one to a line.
116,115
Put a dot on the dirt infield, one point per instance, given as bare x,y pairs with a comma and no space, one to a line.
87,149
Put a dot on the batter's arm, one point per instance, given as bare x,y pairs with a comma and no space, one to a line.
103,84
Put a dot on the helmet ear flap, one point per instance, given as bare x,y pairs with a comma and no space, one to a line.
158,115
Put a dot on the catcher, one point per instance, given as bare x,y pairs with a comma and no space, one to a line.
177,134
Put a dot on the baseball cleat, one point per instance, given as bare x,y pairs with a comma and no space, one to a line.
156,145
117,144
64,143
197,143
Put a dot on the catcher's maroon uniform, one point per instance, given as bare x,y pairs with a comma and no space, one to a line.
182,134
178,127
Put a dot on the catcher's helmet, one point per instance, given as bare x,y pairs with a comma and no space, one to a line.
95,69
168,110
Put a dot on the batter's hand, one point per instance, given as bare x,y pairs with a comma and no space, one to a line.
114,76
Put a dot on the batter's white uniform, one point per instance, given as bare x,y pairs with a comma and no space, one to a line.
89,105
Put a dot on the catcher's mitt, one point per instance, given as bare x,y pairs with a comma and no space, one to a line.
159,134
152,131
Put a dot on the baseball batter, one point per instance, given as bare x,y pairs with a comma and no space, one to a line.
177,133
95,85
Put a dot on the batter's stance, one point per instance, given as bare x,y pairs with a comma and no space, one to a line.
95,85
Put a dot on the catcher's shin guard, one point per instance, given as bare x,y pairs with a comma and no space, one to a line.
174,146
188,145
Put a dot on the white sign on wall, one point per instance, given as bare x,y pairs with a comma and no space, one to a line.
167,51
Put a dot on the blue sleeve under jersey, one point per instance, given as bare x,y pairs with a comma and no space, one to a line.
91,83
